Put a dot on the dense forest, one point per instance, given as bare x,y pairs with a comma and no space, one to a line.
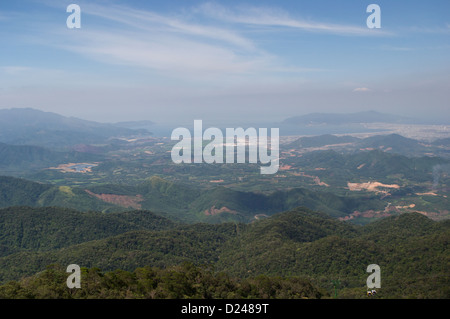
185,281
299,253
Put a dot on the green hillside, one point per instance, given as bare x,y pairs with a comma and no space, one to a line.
394,143
185,281
21,159
42,229
197,243
179,202
367,165
411,250
389,143
20,192
16,192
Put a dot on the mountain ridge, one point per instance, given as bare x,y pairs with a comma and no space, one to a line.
298,242
28,126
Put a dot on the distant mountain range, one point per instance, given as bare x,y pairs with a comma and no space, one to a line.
26,126
393,143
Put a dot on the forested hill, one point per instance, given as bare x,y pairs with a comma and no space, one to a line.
27,158
178,201
43,229
411,249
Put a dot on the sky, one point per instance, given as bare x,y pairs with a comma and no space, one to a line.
231,61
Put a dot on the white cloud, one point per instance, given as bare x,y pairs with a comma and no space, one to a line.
167,44
150,21
207,40
263,16
363,89
172,44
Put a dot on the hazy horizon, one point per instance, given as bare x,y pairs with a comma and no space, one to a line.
218,61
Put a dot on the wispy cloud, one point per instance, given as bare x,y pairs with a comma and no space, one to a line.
203,40
164,43
363,89
397,48
151,21
270,17
163,52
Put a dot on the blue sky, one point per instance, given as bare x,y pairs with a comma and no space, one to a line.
225,60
